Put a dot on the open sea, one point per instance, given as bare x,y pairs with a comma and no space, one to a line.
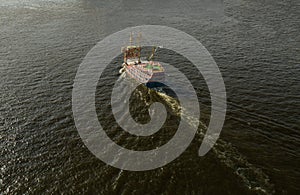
256,45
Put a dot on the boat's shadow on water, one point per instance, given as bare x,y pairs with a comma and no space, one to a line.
161,88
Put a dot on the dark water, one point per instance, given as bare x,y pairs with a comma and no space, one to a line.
255,44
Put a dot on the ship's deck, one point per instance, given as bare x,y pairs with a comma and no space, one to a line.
152,66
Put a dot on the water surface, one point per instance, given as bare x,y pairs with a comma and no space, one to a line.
255,44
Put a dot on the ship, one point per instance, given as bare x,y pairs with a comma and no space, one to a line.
146,71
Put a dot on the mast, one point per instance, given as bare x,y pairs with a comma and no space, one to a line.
130,39
133,51
139,46
153,52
